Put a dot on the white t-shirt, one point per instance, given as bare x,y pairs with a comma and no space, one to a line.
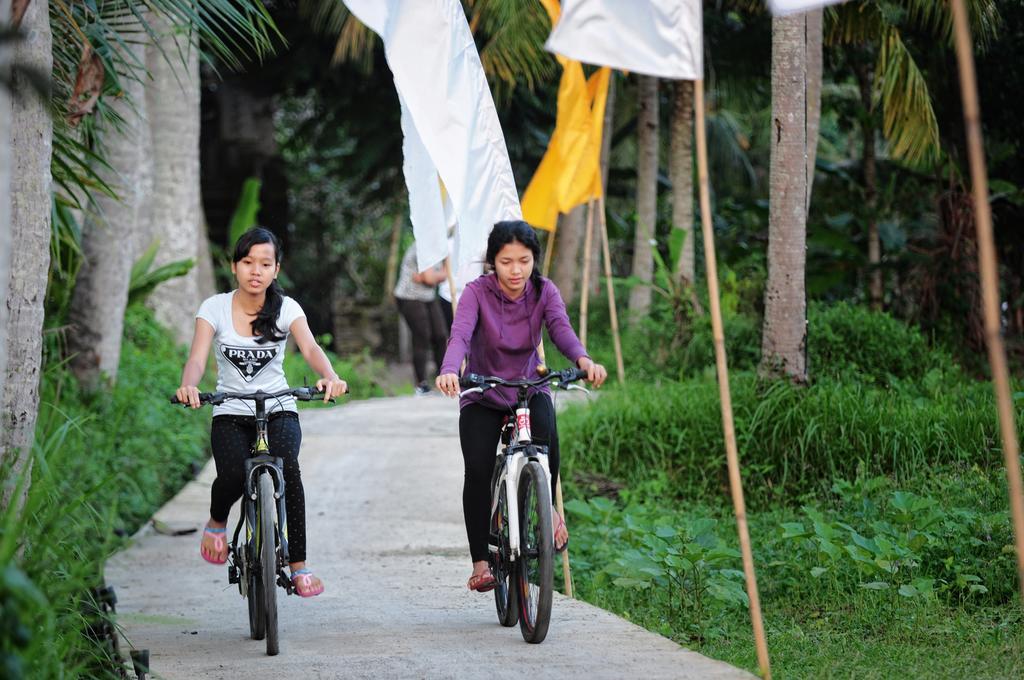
244,365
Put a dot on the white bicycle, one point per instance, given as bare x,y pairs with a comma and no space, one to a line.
521,544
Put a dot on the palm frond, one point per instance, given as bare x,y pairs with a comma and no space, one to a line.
113,29
936,17
513,34
854,23
510,33
354,42
908,119
729,144
326,17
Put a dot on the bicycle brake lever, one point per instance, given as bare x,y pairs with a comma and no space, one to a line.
581,388
471,390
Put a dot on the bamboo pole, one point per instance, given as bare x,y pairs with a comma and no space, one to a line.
620,369
735,481
566,571
585,293
989,277
549,248
451,283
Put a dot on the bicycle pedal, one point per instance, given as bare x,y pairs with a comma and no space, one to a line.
233,574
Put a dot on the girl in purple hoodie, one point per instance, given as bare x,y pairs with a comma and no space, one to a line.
497,329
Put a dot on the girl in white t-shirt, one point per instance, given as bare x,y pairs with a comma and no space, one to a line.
249,327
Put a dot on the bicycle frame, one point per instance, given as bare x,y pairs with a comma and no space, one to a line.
516,454
261,461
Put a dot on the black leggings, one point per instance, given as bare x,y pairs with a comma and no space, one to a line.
231,438
429,334
479,432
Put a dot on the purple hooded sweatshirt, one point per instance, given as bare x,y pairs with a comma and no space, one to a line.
500,336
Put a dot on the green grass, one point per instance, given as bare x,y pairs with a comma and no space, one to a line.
791,440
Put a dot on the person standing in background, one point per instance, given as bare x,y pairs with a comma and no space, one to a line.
416,296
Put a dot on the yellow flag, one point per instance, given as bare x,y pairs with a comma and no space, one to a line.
570,171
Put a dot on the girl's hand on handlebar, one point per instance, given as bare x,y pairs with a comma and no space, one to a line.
448,383
189,395
596,373
331,387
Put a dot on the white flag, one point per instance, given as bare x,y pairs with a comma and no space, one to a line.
426,210
782,7
662,38
450,124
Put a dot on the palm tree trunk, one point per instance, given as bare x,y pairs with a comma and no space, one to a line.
875,289
31,151
5,191
175,220
784,340
206,279
646,198
680,170
814,74
596,254
101,288
567,265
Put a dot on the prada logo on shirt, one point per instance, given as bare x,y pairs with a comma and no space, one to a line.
249,361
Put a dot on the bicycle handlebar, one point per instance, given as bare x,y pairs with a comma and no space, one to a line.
471,380
217,398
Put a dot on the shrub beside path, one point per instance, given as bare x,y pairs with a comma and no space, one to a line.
383,483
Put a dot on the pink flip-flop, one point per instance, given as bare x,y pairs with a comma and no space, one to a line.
303,582
218,544
561,523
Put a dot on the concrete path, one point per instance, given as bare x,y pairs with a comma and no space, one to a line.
383,485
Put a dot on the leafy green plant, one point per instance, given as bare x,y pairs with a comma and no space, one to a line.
850,341
907,544
144,279
683,562
826,586
247,210
362,372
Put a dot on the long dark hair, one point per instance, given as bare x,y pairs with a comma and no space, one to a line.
264,326
519,231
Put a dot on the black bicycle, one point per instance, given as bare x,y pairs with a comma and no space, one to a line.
261,561
521,542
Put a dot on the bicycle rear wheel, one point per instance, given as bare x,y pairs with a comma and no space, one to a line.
505,592
536,561
268,558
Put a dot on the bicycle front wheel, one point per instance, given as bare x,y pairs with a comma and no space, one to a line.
254,577
505,592
536,560
268,558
